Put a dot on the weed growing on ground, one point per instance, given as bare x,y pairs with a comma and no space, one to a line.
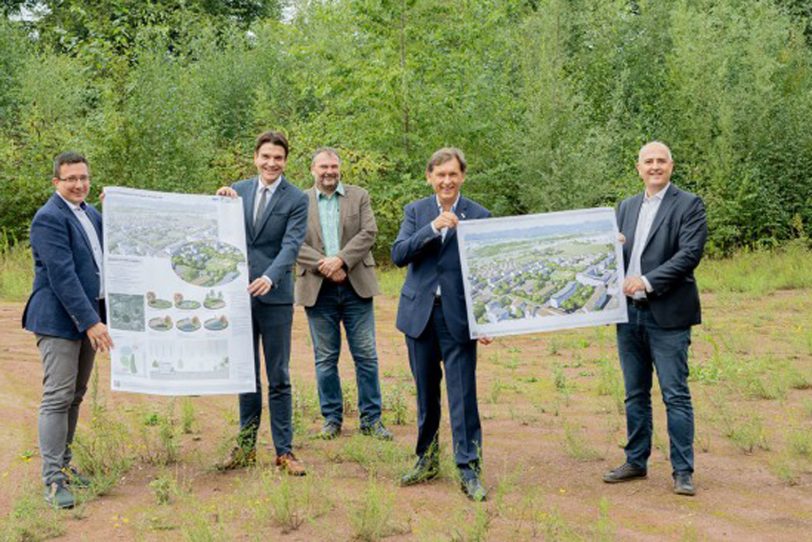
160,436
100,452
371,519
472,529
375,456
604,529
395,405
187,415
577,446
16,268
31,520
799,442
165,488
610,383
748,434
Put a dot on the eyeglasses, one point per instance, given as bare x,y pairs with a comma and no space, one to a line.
75,179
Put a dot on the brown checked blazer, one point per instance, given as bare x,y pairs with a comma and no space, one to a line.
358,232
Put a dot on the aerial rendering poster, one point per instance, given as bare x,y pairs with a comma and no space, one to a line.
176,278
530,273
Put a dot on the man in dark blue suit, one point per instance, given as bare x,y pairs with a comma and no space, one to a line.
65,311
432,315
664,231
275,227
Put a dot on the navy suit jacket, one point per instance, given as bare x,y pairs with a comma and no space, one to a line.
431,262
274,245
63,302
671,253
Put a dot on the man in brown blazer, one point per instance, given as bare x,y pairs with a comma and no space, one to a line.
335,283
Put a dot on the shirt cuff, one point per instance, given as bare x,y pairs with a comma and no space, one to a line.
649,289
435,230
270,282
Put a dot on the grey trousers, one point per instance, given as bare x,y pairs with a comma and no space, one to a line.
67,366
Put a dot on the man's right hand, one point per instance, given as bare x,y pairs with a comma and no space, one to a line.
99,337
447,219
226,191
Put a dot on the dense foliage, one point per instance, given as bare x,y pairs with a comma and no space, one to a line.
550,99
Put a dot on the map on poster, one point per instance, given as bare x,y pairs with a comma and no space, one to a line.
530,273
175,273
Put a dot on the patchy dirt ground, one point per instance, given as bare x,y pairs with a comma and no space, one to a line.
551,425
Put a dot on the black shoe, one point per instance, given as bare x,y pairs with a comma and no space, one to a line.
329,430
472,485
58,496
624,473
684,484
377,430
426,468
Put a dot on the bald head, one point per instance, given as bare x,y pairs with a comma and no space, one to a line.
655,145
654,164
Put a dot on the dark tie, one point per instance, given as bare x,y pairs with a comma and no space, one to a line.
261,207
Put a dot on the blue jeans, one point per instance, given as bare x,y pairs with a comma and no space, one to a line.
337,303
643,346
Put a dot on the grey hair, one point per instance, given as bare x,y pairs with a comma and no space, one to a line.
321,150
655,142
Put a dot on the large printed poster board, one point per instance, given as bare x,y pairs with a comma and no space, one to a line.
542,272
175,276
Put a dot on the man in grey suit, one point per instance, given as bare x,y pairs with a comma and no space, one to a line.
335,283
66,313
664,231
275,223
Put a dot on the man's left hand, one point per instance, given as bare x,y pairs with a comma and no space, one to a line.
485,341
338,276
633,285
328,266
260,286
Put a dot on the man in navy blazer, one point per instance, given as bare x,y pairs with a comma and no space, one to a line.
664,231
432,315
65,312
275,227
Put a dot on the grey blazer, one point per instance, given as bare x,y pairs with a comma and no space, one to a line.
357,235
671,253
273,245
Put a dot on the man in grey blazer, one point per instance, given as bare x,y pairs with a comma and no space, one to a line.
275,223
335,283
66,313
664,231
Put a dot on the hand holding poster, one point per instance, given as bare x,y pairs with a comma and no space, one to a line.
177,305
542,272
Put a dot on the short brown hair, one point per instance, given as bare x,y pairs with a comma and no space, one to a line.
274,138
444,155
69,157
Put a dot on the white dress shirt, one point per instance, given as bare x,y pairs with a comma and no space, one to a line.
648,211
444,231
271,188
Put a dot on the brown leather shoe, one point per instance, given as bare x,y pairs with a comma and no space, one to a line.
238,458
288,463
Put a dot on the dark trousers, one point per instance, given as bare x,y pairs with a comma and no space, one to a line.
271,323
426,352
643,346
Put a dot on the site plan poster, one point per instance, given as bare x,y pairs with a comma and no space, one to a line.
175,276
542,272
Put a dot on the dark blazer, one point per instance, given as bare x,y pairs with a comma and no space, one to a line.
63,302
357,235
273,247
670,255
431,262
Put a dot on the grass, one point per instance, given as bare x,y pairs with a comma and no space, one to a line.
750,386
758,272
16,269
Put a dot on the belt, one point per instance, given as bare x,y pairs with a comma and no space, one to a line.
641,304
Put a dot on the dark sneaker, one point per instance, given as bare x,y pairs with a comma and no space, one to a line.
472,486
426,468
377,430
684,484
238,458
75,479
329,431
58,496
290,464
624,473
